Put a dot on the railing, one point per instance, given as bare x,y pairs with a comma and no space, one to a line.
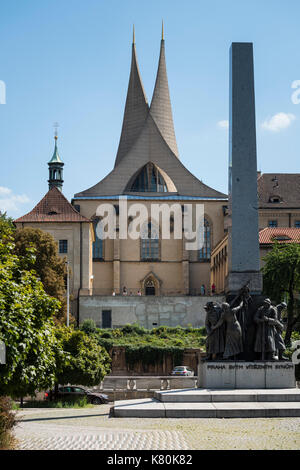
135,292
143,383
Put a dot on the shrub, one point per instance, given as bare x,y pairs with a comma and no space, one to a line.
88,326
7,422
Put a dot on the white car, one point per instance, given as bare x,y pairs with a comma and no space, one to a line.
183,371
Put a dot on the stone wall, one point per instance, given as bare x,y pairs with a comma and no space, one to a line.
119,367
149,312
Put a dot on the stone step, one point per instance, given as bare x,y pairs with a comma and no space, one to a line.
152,408
193,395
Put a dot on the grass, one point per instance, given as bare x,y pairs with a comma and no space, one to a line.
163,336
80,403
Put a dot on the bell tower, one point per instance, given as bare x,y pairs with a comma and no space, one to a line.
55,168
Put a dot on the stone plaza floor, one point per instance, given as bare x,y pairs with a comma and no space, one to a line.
93,428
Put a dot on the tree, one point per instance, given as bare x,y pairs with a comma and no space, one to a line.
281,278
26,323
84,362
50,268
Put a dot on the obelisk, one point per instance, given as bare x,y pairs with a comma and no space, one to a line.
243,242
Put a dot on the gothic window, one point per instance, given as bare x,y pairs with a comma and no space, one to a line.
149,179
98,244
204,253
149,246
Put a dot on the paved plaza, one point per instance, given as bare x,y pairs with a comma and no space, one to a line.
93,428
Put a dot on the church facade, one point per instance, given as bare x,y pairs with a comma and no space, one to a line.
152,279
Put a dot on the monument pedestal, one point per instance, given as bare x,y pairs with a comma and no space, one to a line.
246,375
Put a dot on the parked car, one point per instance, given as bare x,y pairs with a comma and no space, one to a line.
183,371
70,393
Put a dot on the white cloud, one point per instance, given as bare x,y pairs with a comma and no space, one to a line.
223,124
278,122
10,202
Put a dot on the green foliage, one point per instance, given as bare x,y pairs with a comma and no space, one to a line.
26,325
281,278
81,402
88,327
85,362
49,266
150,346
7,422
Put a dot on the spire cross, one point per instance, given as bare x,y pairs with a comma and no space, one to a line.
162,30
133,36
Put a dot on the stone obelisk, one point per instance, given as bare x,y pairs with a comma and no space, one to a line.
243,242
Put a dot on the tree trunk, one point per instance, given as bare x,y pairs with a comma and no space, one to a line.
21,402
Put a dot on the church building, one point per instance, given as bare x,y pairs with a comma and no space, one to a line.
150,280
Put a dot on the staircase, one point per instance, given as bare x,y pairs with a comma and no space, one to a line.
210,403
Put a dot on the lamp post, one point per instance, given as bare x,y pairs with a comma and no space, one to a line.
68,294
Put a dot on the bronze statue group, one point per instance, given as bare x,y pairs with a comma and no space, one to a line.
226,328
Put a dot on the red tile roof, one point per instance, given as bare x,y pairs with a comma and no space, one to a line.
54,207
269,235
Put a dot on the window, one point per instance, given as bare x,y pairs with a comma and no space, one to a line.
275,199
98,243
204,253
149,246
297,223
149,179
272,223
63,246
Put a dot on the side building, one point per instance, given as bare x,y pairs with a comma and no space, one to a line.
279,220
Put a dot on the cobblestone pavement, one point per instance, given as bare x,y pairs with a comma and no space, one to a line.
92,428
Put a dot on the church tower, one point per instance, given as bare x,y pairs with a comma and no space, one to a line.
55,169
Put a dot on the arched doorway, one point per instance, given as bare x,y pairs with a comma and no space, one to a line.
150,287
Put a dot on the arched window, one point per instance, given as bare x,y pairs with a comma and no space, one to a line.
98,244
205,252
149,179
149,246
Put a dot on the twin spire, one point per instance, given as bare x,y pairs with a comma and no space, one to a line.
137,110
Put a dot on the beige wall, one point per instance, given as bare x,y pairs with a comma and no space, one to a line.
177,271
285,217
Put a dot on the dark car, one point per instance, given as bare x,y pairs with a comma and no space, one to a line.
69,393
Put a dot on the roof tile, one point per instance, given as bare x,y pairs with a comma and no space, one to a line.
54,207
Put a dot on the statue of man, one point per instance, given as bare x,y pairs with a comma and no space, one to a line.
215,341
266,320
279,342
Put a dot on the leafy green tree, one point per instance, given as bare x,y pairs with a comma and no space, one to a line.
84,361
49,266
281,278
26,324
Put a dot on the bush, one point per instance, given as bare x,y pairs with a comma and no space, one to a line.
89,327
7,422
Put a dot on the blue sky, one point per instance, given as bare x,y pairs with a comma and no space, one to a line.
68,61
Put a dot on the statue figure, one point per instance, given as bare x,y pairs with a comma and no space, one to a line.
266,320
279,342
215,340
233,338
242,313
